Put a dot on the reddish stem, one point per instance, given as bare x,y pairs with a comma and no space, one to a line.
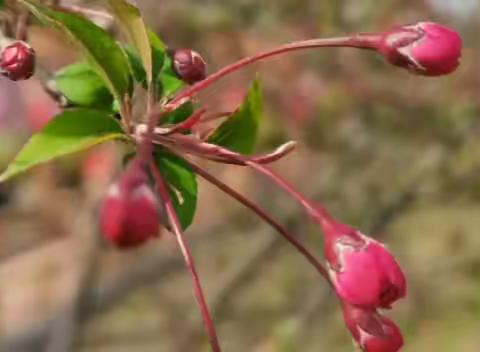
361,41
215,153
263,215
189,123
218,153
187,255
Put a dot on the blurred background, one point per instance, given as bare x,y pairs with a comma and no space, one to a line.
395,155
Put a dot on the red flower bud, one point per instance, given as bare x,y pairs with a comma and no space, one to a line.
372,331
17,61
129,215
425,48
363,272
189,65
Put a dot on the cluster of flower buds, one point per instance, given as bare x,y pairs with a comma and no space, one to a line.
17,61
366,278
129,214
425,48
188,65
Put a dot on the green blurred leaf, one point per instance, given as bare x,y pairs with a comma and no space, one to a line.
158,58
182,184
169,81
69,132
101,49
159,53
136,65
131,22
179,114
239,132
82,86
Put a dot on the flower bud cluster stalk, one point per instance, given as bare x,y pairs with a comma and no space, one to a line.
362,271
425,48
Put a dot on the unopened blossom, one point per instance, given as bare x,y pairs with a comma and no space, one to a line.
363,272
189,65
425,48
17,61
129,214
371,331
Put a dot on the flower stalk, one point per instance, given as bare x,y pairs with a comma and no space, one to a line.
188,258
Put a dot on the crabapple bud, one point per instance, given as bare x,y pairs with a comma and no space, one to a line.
189,65
425,48
129,214
17,61
363,272
371,331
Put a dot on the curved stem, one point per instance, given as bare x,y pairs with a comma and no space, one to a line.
221,154
264,216
361,41
187,255
215,153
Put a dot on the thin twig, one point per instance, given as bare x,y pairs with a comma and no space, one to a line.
264,216
188,258
361,41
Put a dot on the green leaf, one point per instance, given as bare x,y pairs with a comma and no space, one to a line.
82,86
169,81
182,184
159,53
179,114
138,70
158,57
69,132
131,22
239,132
106,55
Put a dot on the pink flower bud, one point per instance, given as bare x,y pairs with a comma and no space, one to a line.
372,331
425,48
189,65
17,61
363,272
129,215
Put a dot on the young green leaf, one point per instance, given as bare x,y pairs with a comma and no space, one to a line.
101,49
136,65
159,53
69,132
239,132
131,22
182,184
158,58
179,115
82,86
169,81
